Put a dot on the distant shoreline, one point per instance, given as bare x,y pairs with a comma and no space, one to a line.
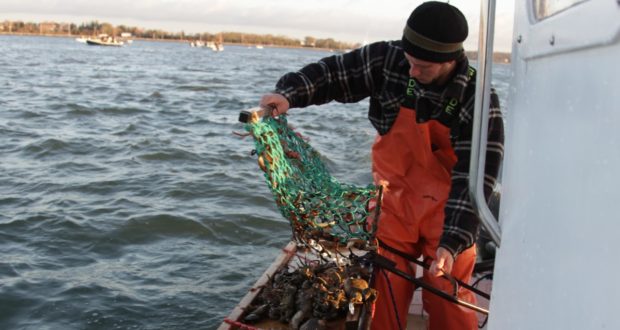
498,57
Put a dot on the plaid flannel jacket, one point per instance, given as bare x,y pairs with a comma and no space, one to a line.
380,71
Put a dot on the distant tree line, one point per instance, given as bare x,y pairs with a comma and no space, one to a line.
95,28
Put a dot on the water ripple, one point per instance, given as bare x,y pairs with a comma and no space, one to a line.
126,201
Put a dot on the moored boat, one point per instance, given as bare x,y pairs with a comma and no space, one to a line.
104,40
196,43
99,42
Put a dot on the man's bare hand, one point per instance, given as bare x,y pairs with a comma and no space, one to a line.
442,263
278,103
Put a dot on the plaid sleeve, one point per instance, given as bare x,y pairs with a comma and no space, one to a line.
345,78
462,224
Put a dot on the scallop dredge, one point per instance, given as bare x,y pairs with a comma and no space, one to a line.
326,283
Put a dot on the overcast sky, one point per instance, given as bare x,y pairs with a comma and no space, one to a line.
344,20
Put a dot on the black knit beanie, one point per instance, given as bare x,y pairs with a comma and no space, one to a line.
435,32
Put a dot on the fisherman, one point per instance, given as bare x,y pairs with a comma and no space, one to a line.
421,91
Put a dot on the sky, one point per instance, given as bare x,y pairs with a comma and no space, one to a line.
354,21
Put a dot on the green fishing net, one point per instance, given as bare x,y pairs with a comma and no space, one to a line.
318,207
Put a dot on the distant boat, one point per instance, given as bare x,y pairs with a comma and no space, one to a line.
219,44
259,46
213,45
197,43
125,37
101,40
104,42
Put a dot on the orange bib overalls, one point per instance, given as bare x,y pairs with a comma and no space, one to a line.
416,160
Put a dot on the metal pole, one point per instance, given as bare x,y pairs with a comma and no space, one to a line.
389,265
481,120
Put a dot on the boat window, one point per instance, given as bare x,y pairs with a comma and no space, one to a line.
545,8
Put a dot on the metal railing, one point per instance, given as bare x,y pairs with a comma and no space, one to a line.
481,120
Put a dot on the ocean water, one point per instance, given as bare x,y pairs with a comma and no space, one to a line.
127,202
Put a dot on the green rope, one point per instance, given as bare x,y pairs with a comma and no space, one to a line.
317,206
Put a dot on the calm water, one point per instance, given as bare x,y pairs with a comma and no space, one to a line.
127,202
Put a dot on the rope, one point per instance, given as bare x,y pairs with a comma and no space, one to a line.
389,284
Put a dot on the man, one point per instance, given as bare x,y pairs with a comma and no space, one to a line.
421,91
